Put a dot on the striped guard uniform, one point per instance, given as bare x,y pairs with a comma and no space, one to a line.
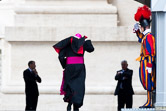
147,68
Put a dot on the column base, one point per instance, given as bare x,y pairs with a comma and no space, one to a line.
161,108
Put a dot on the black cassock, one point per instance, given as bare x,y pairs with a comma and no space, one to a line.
75,73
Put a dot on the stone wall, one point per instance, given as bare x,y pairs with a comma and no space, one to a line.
126,11
38,24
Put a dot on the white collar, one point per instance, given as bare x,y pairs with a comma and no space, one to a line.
30,69
76,37
146,31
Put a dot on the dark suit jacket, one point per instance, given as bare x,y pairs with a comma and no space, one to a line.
30,78
127,83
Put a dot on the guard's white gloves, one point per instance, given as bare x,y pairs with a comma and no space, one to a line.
149,68
136,27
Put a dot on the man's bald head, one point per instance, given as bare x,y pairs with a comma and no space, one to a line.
124,64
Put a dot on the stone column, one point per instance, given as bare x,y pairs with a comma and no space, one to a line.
160,16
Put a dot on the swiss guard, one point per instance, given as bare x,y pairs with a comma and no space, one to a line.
147,56
71,56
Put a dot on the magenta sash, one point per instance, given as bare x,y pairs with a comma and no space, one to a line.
62,84
75,60
70,60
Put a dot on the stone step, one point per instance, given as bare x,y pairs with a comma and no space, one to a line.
64,20
66,8
138,109
66,15
23,33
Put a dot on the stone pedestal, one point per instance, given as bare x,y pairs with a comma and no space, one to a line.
39,24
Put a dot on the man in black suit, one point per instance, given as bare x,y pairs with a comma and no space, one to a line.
124,88
31,89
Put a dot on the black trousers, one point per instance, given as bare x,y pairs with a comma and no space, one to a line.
75,107
124,99
31,103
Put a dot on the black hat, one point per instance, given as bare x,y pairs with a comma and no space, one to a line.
145,22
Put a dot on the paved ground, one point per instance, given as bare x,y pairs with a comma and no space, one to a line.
54,102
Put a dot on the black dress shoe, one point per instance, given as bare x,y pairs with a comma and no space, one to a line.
145,107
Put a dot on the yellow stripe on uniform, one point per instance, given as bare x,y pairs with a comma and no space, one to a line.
145,62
